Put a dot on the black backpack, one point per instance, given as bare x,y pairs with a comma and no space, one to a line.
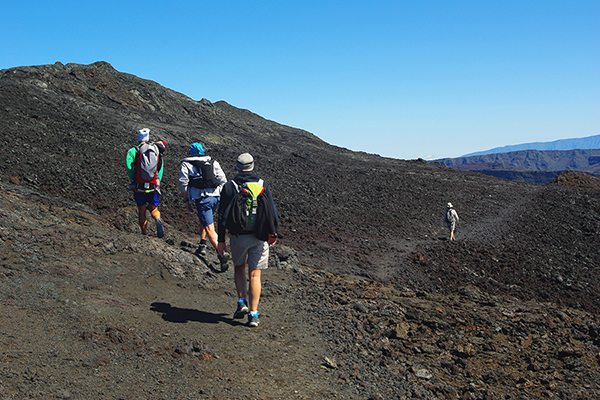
206,179
250,211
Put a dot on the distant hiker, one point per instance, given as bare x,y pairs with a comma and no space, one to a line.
145,169
450,219
200,181
248,212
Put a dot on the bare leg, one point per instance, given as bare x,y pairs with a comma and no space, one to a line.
255,288
154,211
212,235
240,280
142,219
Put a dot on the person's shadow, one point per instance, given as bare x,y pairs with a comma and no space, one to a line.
185,315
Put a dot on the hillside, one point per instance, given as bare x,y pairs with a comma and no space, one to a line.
365,297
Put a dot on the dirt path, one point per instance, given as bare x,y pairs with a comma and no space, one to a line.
279,359
160,338
90,312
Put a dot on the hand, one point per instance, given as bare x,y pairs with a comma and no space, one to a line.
272,240
221,248
189,207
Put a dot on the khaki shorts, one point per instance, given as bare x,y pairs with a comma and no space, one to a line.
250,250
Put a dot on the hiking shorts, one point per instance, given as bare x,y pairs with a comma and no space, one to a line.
141,199
206,208
250,250
451,226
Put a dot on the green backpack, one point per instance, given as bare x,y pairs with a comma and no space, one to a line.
250,211
248,194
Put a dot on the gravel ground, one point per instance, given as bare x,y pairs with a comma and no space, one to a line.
91,311
365,297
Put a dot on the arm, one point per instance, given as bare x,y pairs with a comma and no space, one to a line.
129,162
226,197
184,179
161,150
272,238
270,198
219,174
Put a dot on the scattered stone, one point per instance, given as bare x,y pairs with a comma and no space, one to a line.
329,363
423,373
63,394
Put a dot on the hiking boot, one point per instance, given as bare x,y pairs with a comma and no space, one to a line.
242,309
223,261
253,320
202,250
160,229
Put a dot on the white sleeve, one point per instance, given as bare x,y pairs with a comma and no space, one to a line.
219,174
184,174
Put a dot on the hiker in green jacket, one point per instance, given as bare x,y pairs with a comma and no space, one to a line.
145,169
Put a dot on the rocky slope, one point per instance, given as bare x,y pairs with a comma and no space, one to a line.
365,297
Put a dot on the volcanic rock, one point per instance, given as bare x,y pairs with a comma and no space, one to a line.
363,275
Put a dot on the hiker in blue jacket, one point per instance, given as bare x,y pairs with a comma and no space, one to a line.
200,181
248,247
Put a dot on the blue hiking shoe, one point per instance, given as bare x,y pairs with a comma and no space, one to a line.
160,229
253,320
242,309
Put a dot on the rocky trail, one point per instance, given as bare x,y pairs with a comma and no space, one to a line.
89,311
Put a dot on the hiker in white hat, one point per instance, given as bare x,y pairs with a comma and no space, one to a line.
248,213
145,169
450,219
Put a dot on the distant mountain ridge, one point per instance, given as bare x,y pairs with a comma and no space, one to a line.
585,143
533,166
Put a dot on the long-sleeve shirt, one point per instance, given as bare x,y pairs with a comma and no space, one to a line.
227,195
188,170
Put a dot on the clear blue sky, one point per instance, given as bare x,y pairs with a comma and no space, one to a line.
403,79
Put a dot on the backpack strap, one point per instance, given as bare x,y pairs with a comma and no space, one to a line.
261,182
198,164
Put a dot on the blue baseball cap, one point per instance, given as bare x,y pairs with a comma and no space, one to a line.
196,149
